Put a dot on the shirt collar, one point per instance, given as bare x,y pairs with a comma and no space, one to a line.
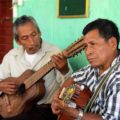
45,47
96,70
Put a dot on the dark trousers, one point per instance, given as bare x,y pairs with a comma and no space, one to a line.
39,112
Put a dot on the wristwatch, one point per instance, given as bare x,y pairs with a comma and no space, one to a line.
80,115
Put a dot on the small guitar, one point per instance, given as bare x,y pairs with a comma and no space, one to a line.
30,85
76,96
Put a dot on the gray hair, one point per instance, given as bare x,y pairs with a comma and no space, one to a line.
22,20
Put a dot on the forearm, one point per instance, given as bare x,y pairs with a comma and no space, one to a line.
0,85
86,116
65,70
1,90
91,116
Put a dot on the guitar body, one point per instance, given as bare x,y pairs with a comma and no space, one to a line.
18,103
81,101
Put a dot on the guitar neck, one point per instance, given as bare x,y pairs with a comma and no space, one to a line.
39,74
70,51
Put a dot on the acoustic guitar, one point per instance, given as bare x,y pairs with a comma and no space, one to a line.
30,85
76,96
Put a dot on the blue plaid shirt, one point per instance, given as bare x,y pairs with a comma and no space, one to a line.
107,103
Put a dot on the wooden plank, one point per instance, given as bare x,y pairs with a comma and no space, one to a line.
6,23
6,39
5,47
6,31
3,5
6,27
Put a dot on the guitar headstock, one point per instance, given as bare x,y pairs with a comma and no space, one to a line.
74,48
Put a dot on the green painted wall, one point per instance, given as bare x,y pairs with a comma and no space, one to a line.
63,31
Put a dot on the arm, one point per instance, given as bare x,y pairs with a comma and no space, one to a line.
63,67
6,85
61,63
58,105
91,116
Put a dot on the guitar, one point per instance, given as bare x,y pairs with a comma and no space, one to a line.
77,100
30,86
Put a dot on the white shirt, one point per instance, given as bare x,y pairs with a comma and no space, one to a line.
14,64
30,57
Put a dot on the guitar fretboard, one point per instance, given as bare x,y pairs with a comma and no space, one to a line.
38,74
73,49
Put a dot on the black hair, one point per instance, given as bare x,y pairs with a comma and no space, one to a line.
106,28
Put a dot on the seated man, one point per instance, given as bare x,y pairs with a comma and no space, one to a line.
102,39
32,54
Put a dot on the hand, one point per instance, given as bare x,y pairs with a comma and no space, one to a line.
60,63
59,106
55,106
56,103
8,86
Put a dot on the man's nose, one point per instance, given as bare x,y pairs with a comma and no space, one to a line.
31,40
88,50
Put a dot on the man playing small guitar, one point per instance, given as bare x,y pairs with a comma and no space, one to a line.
101,38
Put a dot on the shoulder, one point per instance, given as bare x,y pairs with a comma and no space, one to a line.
11,52
50,47
86,69
82,71
14,52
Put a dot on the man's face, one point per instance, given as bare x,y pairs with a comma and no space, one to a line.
98,51
29,37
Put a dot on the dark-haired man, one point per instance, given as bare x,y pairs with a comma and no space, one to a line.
101,38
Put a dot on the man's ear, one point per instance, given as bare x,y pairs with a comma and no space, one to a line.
113,42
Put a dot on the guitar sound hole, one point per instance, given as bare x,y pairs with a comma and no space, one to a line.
21,89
